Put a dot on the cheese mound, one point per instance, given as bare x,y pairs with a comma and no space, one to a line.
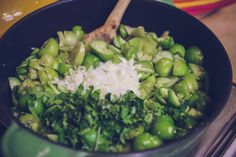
112,78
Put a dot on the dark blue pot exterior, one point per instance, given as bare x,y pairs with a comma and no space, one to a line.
36,28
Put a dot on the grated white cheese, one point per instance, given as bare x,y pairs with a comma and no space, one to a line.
116,79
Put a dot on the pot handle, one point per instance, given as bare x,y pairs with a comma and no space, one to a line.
18,142
6,140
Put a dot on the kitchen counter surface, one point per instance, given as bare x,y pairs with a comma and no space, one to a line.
223,23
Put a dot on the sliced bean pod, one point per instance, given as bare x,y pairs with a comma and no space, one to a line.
33,74
173,99
119,41
180,68
13,82
78,53
197,70
146,50
194,55
79,32
146,141
52,74
114,49
43,77
166,82
89,136
194,113
138,32
163,67
91,60
161,95
67,40
178,49
47,60
35,64
188,84
161,55
144,69
166,41
36,107
64,68
30,121
23,100
164,128
147,86
21,70
122,31
101,50
152,35
50,47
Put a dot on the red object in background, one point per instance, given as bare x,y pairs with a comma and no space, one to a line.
196,7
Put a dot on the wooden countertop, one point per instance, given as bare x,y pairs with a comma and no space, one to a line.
218,133
223,23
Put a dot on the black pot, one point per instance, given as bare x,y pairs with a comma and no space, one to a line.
36,28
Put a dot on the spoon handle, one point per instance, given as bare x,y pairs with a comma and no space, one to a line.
108,31
117,13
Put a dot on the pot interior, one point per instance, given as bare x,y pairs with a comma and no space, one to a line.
36,28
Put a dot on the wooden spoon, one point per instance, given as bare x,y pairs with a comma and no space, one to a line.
108,31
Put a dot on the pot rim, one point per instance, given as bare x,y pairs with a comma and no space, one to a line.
202,127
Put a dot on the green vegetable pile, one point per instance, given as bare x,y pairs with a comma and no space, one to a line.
173,92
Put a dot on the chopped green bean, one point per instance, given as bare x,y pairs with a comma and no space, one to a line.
180,68
79,32
30,121
78,53
123,31
90,60
101,50
163,67
136,93
51,47
194,55
178,49
166,42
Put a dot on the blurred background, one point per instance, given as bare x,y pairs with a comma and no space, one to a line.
218,15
